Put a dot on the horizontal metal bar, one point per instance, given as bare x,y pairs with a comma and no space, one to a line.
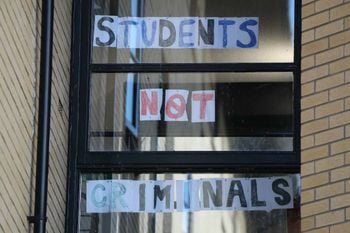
115,134
191,161
203,67
197,168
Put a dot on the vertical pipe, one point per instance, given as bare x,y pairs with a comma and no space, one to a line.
42,162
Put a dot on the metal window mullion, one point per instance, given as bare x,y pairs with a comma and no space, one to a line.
189,67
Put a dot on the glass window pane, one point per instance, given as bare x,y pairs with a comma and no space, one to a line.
191,112
275,31
278,220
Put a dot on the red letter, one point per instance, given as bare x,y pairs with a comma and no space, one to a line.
180,109
146,103
203,98
150,103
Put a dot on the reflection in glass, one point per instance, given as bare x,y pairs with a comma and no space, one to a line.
276,30
275,221
253,112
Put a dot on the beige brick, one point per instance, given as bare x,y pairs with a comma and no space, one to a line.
348,213
314,180
307,88
307,196
340,92
308,36
347,22
347,158
347,131
329,163
315,20
304,2
340,38
329,29
307,142
340,173
329,82
314,126
329,109
329,136
314,153
343,227
347,76
340,147
330,218
307,223
340,201
314,208
314,47
320,230
322,5
347,103
329,55
307,168
307,10
330,190
309,114
340,119
347,50
314,100
314,73
307,62
340,65
340,11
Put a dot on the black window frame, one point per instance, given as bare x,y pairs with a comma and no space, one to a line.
81,160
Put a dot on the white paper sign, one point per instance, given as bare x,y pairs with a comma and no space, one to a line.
175,105
150,104
248,194
203,106
176,32
112,196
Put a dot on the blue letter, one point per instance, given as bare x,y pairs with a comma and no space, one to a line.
182,34
244,27
118,190
126,31
102,203
224,24
144,33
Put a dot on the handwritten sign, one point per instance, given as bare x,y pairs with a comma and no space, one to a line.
105,196
176,32
202,102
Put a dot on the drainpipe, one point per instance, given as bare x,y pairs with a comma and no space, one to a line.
39,219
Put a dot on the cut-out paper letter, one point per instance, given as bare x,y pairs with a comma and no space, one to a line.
150,104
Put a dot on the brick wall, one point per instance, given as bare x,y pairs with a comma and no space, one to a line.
19,61
17,108
59,117
325,116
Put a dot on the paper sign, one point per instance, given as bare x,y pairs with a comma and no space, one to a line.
150,104
112,196
203,106
176,32
175,105
248,194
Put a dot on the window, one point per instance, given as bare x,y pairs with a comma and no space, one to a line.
185,91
